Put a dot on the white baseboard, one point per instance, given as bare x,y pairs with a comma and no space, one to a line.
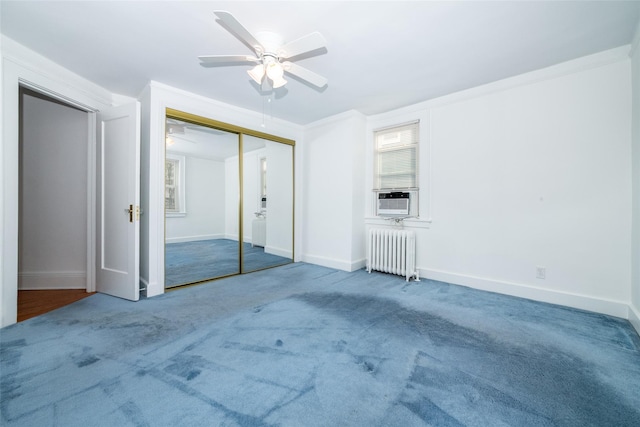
359,264
194,238
278,251
612,308
40,280
334,263
634,318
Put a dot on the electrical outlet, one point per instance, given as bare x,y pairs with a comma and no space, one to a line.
541,272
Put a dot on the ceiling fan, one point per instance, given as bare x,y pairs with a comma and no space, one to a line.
269,52
176,129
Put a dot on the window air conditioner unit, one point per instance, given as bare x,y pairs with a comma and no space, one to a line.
397,204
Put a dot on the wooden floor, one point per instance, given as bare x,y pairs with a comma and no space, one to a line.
35,303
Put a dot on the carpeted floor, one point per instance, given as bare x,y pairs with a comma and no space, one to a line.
302,345
190,262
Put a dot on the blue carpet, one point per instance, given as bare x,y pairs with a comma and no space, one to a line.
302,345
190,262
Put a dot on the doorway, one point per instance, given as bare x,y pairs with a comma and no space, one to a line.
54,194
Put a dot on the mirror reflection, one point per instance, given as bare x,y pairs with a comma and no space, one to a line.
201,203
267,193
206,213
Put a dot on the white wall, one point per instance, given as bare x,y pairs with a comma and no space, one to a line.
535,171
53,196
232,198
279,215
250,191
205,203
279,199
634,311
333,204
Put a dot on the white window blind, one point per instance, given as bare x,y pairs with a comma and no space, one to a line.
172,185
396,157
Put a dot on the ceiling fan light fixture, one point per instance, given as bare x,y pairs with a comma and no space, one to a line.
275,72
269,50
278,82
257,73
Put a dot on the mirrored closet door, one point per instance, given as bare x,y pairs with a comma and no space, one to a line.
201,203
216,198
268,203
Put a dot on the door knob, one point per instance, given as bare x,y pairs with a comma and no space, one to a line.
130,212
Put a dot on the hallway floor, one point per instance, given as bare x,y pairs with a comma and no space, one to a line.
35,303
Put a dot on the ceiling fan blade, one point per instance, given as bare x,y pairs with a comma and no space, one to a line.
213,60
302,45
305,74
232,24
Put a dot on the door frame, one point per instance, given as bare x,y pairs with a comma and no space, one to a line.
41,75
90,281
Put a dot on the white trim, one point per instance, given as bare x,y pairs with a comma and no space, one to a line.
91,203
635,41
397,125
223,112
195,238
634,318
423,117
598,305
56,96
285,253
335,263
407,222
34,280
5,295
55,79
340,117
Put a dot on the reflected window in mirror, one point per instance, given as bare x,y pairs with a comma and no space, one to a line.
263,184
202,238
174,185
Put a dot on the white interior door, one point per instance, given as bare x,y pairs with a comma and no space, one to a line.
118,201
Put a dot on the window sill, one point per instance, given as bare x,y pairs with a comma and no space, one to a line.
409,222
175,214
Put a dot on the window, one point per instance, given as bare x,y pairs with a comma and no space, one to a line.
174,185
171,189
396,157
263,183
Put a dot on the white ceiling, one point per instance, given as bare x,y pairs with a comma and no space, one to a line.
380,55
207,143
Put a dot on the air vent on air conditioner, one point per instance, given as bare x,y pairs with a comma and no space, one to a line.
396,203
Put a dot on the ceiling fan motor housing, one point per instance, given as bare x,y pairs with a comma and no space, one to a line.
270,41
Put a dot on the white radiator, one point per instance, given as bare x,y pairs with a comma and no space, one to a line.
392,251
